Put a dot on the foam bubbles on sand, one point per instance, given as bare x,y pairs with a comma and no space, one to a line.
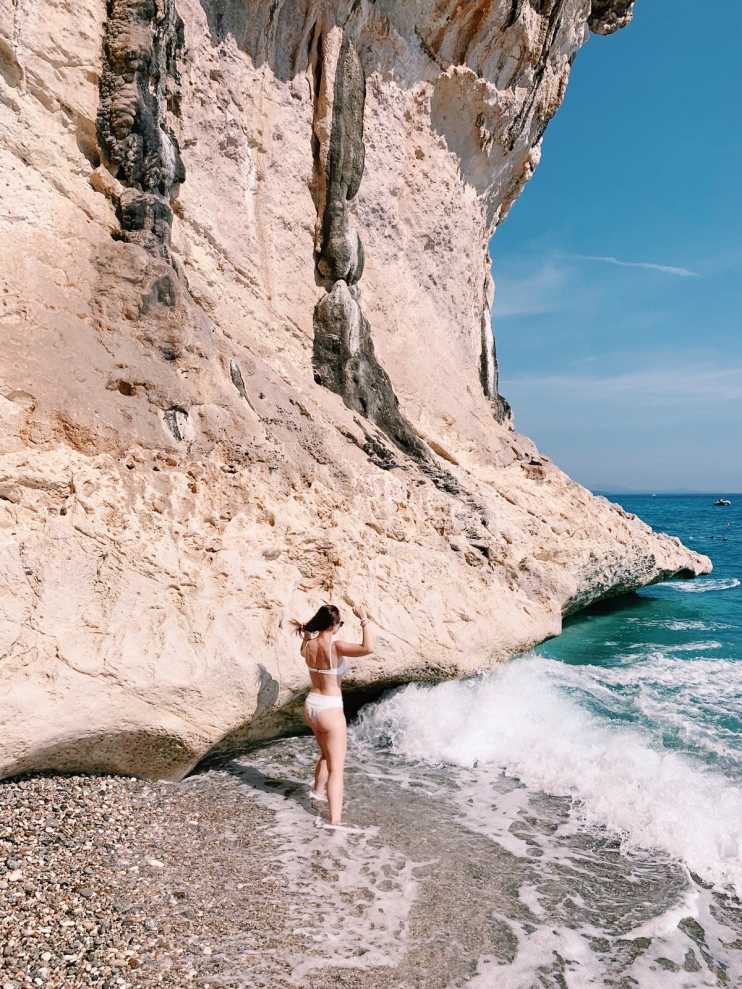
662,953
351,892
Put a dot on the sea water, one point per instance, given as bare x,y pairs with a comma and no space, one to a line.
573,819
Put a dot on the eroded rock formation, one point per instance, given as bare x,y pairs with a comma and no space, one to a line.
248,363
139,87
343,353
607,16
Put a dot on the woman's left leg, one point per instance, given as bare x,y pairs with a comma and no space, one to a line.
335,743
320,770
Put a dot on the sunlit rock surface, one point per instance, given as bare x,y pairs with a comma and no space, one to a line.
247,363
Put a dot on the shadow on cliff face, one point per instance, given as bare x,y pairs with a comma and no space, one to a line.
458,114
288,722
281,34
151,754
642,573
140,752
626,603
277,34
621,603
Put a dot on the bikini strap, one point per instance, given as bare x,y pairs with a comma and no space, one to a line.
331,669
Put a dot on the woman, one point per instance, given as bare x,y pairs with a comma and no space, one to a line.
325,658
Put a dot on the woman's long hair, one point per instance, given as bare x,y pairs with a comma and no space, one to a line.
325,617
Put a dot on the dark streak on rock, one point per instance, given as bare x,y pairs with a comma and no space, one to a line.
345,362
607,16
267,692
10,67
139,83
343,355
163,291
378,453
237,379
428,50
175,419
488,366
340,252
236,375
515,8
553,12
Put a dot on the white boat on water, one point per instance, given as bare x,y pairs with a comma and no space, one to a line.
722,502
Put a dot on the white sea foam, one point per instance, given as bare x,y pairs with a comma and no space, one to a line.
695,646
536,949
697,703
700,584
679,625
571,951
523,720
351,892
691,625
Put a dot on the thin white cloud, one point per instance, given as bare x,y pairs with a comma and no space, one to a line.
667,269
693,386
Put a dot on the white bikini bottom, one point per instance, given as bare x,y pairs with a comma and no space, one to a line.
316,703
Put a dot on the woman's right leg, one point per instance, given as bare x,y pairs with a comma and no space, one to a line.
334,745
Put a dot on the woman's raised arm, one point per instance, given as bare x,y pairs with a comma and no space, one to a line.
366,646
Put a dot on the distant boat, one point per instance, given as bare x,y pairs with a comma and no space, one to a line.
722,502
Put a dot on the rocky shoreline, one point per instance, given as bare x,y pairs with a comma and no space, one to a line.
116,882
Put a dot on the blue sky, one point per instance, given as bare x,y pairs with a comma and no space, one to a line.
619,271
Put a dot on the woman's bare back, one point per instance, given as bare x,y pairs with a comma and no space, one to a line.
319,655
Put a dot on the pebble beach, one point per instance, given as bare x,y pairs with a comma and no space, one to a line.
110,882
114,882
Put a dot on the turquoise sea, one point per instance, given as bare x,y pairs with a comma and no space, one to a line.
573,819
669,659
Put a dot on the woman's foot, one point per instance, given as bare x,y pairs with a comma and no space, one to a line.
319,795
320,823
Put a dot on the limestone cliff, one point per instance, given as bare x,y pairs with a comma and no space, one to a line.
247,362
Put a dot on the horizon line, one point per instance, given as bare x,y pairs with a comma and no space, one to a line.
665,491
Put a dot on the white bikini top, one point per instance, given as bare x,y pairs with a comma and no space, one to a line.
332,671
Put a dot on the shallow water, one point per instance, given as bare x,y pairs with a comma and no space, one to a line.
572,819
